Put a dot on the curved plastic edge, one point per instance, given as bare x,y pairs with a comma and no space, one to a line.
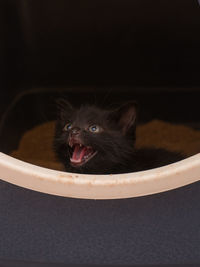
108,186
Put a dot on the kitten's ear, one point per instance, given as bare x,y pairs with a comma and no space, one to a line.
63,107
125,117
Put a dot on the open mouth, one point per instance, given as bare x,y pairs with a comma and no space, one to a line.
80,154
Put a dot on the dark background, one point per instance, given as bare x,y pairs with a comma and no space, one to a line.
129,42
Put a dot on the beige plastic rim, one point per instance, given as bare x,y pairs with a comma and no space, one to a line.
100,186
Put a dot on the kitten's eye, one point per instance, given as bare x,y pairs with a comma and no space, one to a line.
94,128
67,127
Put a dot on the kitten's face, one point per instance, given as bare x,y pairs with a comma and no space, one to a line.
93,140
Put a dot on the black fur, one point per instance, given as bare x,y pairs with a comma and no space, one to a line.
115,143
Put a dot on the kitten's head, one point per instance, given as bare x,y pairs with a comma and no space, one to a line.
94,140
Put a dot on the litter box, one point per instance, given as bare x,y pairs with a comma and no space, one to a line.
36,106
54,217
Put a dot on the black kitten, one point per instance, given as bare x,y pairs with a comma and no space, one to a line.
97,141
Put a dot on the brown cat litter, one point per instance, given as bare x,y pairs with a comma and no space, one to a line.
36,145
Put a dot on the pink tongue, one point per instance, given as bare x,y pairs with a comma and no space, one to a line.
79,152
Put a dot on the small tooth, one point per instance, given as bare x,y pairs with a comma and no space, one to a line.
80,145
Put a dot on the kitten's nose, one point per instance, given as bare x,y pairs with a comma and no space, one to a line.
75,131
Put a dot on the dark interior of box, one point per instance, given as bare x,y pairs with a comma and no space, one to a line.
101,52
